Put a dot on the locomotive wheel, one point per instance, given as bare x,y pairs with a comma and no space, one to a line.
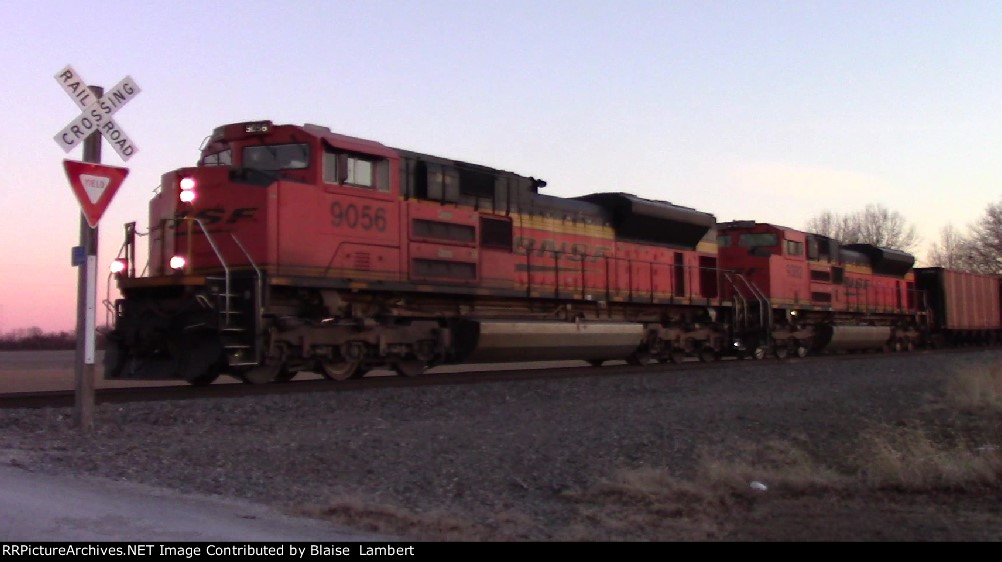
262,374
596,362
676,356
802,351
639,359
205,379
759,353
781,351
341,370
707,355
409,367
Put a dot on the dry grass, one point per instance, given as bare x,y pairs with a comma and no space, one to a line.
955,450
359,514
976,389
646,503
907,458
392,521
652,504
778,464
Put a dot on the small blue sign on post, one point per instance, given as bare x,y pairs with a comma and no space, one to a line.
78,257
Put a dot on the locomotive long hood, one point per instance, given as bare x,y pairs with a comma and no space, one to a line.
654,221
885,260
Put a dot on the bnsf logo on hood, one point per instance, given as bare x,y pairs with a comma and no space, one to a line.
218,215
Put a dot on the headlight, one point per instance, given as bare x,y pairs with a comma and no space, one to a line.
177,262
187,186
118,266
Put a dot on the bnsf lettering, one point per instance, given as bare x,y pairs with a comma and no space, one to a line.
365,217
215,215
575,252
856,283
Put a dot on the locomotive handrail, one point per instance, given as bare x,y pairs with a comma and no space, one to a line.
764,306
222,261
258,298
246,254
740,300
218,255
691,280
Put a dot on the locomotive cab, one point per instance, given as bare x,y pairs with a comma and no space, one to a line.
255,179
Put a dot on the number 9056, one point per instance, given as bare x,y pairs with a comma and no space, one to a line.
365,217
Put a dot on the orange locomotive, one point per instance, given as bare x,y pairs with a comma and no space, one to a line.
293,248
821,294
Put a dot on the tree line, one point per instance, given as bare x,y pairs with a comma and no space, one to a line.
978,249
34,338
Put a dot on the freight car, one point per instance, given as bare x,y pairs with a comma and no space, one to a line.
290,248
964,306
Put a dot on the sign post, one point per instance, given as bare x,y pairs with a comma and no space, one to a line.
83,411
95,192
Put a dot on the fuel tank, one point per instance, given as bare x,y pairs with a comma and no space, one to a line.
500,341
851,337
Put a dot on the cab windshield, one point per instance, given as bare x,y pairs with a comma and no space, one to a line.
272,157
758,239
221,158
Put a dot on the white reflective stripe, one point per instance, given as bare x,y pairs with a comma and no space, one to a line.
89,320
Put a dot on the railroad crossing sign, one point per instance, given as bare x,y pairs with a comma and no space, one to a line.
94,186
96,114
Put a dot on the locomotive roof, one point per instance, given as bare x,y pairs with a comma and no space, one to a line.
350,142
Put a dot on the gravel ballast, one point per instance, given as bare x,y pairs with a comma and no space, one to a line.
504,460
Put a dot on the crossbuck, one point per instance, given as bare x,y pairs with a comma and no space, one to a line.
96,114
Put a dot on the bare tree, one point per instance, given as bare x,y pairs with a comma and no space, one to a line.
830,224
875,224
983,251
951,251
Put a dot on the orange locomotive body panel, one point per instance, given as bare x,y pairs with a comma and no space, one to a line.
306,222
793,271
291,247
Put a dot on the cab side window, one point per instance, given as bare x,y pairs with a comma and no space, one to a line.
794,248
356,170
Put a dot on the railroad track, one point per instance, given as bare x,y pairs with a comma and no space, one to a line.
65,398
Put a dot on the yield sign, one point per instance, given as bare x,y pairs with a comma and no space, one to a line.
94,186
